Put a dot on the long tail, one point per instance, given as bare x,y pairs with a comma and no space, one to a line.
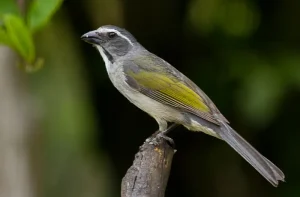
265,167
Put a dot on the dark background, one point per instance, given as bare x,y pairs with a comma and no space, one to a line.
243,53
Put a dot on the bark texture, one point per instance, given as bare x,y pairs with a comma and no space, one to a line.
149,173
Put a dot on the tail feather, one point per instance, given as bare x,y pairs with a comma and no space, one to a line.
265,167
278,173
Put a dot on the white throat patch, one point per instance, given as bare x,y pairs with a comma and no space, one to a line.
105,30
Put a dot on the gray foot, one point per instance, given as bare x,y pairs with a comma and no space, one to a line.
164,136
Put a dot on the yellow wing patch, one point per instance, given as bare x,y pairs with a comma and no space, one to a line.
171,88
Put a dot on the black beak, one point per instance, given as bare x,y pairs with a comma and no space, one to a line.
92,37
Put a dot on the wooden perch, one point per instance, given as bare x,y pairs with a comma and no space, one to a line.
149,173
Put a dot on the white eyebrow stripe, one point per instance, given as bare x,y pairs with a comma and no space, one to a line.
117,32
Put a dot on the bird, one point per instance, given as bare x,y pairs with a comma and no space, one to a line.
167,95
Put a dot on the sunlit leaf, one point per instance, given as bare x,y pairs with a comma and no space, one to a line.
8,7
19,37
40,12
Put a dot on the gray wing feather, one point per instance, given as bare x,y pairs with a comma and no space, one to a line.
132,66
160,65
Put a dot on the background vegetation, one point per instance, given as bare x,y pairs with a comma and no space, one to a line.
80,134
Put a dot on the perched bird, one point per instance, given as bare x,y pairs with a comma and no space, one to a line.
159,89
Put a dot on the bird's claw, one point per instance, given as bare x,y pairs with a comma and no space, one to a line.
162,135
155,139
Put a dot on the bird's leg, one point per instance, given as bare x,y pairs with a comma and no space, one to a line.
170,128
164,136
163,133
166,131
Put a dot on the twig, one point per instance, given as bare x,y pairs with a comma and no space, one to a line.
148,176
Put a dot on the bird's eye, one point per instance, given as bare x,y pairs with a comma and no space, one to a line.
111,34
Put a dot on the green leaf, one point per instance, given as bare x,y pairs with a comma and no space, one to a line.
4,39
40,12
19,37
9,7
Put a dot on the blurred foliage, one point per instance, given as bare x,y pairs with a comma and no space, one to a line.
243,53
40,12
21,42
17,33
263,87
232,17
74,164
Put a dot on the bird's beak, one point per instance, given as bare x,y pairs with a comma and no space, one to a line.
92,37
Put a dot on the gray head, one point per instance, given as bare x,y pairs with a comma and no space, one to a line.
112,41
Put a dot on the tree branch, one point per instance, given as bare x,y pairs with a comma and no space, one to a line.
149,173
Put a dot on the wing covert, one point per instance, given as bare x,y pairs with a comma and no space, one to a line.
167,90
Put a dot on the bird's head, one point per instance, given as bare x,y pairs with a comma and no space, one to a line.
111,41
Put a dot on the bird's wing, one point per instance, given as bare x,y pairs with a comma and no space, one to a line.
171,90
206,99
